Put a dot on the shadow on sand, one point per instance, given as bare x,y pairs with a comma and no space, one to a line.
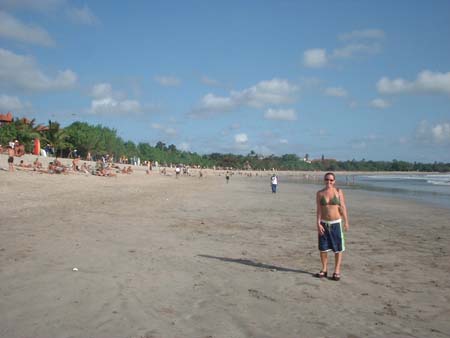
256,264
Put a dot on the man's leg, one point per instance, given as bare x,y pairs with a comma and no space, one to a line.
11,164
324,260
337,262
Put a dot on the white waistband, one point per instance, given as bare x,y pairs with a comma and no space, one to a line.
331,222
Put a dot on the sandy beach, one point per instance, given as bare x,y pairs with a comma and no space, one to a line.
163,257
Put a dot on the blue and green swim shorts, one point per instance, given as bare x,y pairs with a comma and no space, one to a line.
333,237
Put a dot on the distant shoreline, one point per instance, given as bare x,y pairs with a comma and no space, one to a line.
29,158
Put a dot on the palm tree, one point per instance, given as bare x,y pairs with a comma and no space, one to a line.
160,145
55,136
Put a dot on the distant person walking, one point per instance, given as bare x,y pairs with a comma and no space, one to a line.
331,213
274,183
227,176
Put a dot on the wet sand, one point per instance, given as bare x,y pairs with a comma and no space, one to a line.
164,257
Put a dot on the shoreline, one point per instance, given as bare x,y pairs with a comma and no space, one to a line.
345,179
29,158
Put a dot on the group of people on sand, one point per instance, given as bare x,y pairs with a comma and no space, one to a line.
54,167
111,170
57,167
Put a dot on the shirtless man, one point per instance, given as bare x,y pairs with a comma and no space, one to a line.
331,216
11,154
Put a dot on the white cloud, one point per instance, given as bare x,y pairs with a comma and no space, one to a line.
102,90
363,34
315,58
168,81
166,130
11,28
82,15
438,134
241,138
275,91
109,105
284,141
11,103
211,102
18,71
441,133
350,50
336,91
380,103
358,42
280,114
106,102
387,86
426,81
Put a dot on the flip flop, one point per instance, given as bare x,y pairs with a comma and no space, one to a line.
321,274
336,276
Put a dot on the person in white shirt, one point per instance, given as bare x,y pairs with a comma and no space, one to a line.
274,183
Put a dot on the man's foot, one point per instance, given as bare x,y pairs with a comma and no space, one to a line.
336,276
321,274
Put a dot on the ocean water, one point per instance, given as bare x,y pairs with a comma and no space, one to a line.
428,188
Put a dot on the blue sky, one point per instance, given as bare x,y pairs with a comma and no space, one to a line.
346,79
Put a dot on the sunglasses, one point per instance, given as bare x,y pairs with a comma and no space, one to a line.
329,180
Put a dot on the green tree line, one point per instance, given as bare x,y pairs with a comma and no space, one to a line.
99,141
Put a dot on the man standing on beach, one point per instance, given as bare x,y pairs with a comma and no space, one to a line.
274,183
11,158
